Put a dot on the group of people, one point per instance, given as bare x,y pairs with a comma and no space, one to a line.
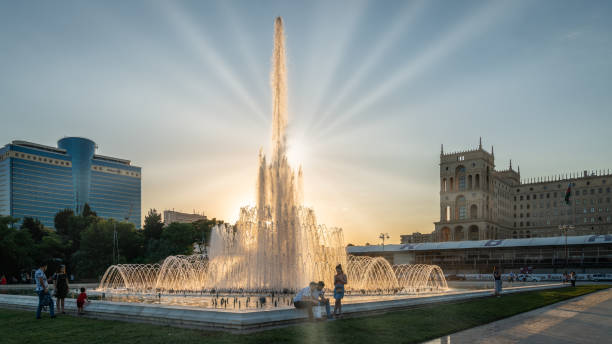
314,295
571,277
60,281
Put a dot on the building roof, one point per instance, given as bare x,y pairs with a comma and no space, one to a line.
458,245
38,146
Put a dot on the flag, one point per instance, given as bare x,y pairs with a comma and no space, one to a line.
568,194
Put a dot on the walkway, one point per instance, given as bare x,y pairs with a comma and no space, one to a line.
586,319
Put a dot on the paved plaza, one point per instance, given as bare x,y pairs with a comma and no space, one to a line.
587,319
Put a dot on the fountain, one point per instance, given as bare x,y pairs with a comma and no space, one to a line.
276,246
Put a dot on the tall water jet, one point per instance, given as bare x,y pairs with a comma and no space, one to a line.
276,245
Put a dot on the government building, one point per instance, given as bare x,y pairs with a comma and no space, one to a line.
480,202
38,181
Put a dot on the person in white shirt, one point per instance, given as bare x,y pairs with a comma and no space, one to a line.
307,298
42,289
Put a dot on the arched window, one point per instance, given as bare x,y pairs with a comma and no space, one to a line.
452,186
444,185
473,211
460,206
477,182
470,182
461,178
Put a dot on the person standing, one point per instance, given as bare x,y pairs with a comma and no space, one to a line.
61,288
498,282
340,280
81,299
42,289
3,280
573,278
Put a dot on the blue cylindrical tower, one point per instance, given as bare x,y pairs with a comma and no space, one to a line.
81,152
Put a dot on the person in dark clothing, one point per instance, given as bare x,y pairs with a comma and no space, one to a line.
60,280
498,282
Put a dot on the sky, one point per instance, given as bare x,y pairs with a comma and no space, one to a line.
182,89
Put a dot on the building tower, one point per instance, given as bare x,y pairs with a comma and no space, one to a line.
466,196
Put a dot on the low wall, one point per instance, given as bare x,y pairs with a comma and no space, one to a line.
211,319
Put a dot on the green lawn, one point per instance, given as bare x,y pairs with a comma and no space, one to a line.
406,326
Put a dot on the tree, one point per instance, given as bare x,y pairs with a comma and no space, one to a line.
87,212
62,221
16,248
95,254
153,225
36,229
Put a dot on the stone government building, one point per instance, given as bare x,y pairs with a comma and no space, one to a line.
478,202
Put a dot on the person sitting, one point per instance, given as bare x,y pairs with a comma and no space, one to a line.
304,299
323,301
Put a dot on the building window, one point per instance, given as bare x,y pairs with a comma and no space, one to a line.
600,190
577,192
592,210
521,198
462,214
521,224
535,196
461,182
585,220
547,195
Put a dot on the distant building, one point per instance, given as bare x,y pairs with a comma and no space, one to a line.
415,238
38,181
478,202
171,216
584,254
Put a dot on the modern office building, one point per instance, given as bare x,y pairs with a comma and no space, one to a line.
171,216
38,181
480,202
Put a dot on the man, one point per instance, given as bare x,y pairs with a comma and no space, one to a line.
322,300
42,289
306,299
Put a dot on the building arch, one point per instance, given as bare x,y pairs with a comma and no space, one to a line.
443,186
460,177
473,233
473,211
477,181
469,182
445,234
459,233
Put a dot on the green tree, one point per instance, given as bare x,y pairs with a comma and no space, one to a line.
153,225
35,227
95,254
62,221
87,212
16,247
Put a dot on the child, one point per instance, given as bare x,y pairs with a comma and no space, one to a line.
81,301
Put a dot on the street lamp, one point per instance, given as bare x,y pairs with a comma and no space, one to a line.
383,236
565,228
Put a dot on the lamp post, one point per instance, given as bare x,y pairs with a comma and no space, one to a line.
383,236
565,228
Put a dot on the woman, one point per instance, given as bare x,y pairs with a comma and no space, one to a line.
61,288
498,282
339,282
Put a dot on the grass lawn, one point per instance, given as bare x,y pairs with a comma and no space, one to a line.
406,326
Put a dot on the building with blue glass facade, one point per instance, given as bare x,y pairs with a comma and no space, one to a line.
38,181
